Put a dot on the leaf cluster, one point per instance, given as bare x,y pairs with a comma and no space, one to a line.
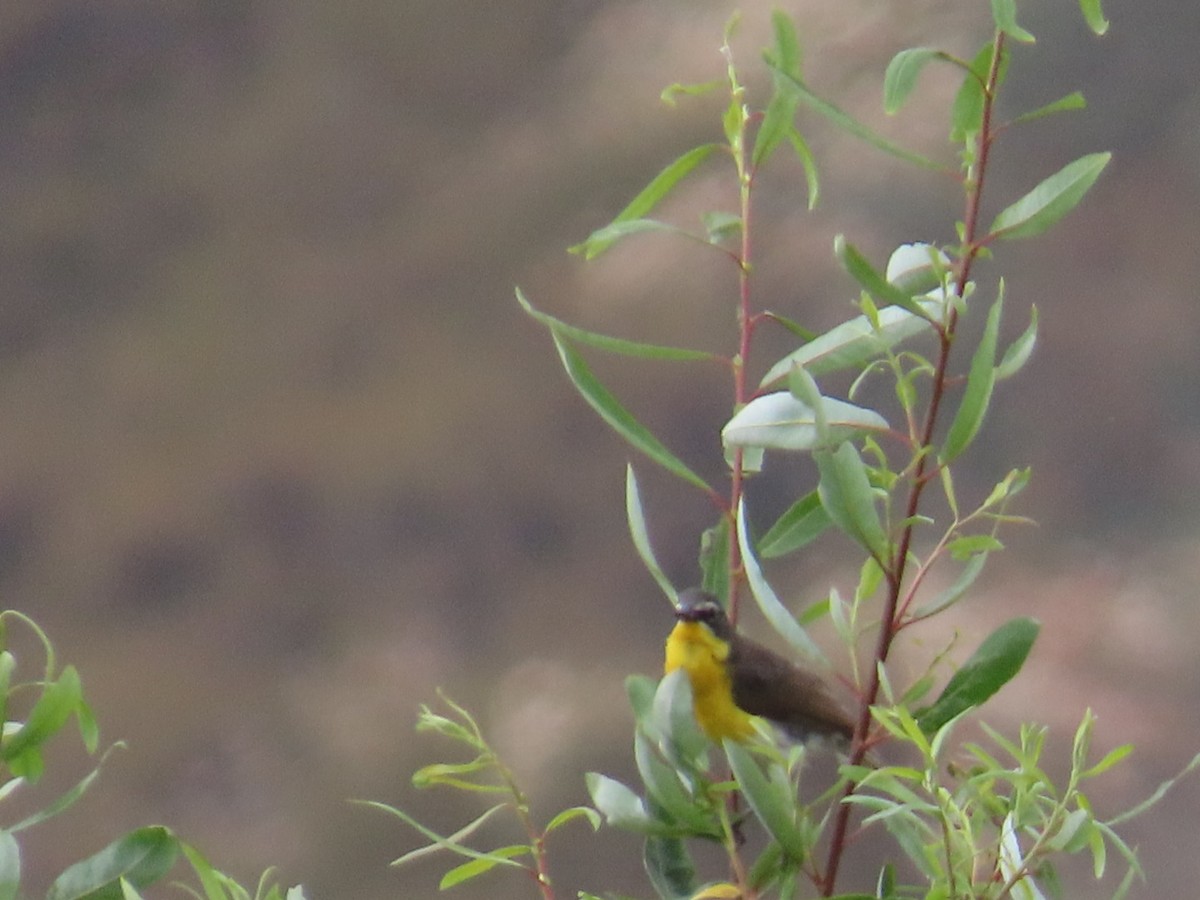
485,774
36,711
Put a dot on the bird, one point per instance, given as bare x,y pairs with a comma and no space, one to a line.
734,678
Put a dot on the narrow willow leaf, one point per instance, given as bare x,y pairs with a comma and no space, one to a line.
476,867
954,593
848,497
978,394
1110,759
573,813
672,801
605,342
1020,350
673,722
764,595
58,701
785,52
966,114
722,227
714,558
779,421
776,123
437,842
672,92
853,343
1158,794
669,867
1063,104
66,800
1094,16
873,282
1050,200
646,200
990,667
853,126
603,238
812,176
620,418
1004,14
802,523
141,857
773,807
901,75
641,534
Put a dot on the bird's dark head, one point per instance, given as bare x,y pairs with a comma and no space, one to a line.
694,605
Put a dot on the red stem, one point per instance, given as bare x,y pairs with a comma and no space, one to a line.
895,573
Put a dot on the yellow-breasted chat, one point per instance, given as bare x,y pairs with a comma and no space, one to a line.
734,678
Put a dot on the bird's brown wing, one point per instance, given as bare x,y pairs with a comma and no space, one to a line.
765,684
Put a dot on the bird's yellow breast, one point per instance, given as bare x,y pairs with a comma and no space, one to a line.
691,646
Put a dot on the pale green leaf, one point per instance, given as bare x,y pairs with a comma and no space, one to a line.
641,534
646,200
620,418
1051,200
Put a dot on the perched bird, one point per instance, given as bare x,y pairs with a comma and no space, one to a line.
734,678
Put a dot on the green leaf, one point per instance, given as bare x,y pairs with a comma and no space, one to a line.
1158,794
853,126
774,807
10,866
472,868
1110,759
141,858
848,497
785,52
453,843
954,593
603,238
777,122
978,394
64,801
972,545
992,665
772,609
1071,101
802,523
673,723
640,691
671,799
671,92
722,226
1004,14
619,418
714,558
669,867
1051,200
1020,350
901,75
966,115
853,343
812,176
58,701
646,200
610,344
779,421
641,535
1094,16
619,805
879,288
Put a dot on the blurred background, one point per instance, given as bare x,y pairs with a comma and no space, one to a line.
281,454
